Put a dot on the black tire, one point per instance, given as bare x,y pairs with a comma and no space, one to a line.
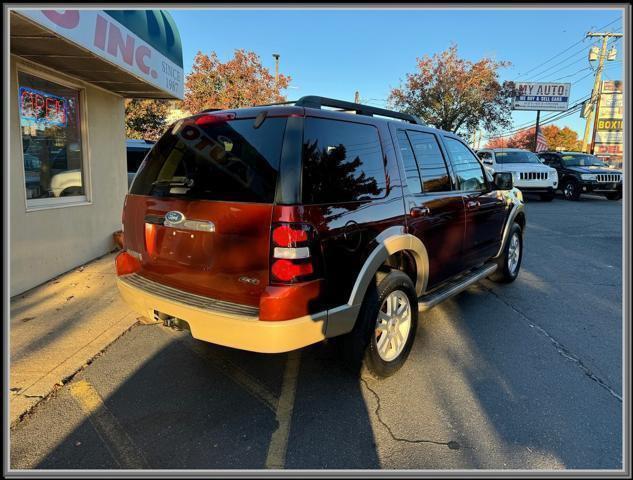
504,274
571,189
547,197
71,192
614,196
360,347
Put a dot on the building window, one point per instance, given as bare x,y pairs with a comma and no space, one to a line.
51,141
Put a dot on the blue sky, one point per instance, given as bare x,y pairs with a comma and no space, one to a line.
335,52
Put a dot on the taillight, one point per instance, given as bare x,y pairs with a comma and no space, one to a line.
214,118
127,263
287,270
293,253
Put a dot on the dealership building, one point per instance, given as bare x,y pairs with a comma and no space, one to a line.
70,73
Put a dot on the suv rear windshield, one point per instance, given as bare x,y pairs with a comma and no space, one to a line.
223,160
516,157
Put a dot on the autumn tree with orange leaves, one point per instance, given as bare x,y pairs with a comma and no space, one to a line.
454,94
557,138
241,81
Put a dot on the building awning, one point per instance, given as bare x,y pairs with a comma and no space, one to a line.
134,53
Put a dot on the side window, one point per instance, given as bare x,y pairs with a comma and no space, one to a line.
342,162
431,162
410,166
469,171
485,155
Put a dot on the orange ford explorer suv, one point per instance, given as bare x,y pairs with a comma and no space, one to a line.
276,227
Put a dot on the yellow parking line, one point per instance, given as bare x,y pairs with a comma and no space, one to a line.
276,457
237,375
108,428
230,370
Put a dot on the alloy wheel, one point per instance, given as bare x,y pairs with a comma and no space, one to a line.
393,325
569,190
514,252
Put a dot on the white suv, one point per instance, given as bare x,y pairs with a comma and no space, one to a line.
529,173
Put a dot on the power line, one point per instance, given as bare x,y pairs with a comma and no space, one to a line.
563,51
544,122
552,118
578,55
571,75
518,128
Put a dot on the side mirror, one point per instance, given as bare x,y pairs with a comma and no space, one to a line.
503,181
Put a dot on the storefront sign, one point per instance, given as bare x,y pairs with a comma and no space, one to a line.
608,137
541,96
612,86
42,108
609,124
605,149
609,132
611,106
107,38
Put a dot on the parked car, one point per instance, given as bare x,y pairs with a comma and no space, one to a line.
275,227
528,172
136,151
67,183
584,173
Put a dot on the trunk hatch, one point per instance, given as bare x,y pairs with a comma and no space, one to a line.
210,168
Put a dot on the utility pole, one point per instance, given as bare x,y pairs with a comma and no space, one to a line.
357,97
276,57
595,93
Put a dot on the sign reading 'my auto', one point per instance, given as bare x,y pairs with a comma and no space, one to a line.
112,41
548,96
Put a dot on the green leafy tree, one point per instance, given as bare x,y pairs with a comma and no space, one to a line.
455,94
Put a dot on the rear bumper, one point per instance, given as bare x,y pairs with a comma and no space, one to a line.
238,329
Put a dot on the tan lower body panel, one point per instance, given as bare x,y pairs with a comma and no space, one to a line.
245,333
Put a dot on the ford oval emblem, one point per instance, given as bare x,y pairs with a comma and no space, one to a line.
174,217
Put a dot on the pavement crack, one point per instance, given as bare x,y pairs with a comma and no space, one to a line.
560,348
452,445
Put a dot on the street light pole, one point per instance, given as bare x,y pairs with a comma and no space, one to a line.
276,57
586,142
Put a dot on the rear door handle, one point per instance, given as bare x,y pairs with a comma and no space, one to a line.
473,204
419,211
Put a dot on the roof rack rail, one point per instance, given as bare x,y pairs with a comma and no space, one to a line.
313,101
290,102
319,102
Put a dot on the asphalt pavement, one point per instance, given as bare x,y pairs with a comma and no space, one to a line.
519,376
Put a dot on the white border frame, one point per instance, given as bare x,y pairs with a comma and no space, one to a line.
37,204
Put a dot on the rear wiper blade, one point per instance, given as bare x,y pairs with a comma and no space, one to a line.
170,183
